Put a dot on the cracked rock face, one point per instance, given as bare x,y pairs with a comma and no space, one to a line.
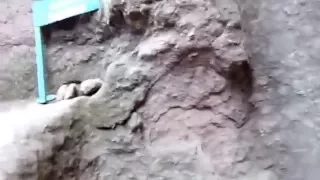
175,94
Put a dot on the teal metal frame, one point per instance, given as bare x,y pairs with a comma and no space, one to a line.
46,12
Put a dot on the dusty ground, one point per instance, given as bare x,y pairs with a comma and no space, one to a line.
181,71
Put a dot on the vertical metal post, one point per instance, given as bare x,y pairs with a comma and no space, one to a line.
41,68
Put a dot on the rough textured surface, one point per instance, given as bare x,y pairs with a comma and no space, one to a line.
176,92
285,121
179,99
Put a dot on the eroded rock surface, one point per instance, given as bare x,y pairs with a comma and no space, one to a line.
177,83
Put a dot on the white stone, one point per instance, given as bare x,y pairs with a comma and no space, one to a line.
61,92
71,92
90,86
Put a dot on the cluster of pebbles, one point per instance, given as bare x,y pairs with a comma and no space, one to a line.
72,89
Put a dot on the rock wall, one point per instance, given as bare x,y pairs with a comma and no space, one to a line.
194,89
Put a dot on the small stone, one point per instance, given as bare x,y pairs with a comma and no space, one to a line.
71,92
90,86
61,92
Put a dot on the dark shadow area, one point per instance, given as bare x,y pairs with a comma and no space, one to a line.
68,26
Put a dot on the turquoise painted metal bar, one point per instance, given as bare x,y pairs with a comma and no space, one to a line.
46,12
40,59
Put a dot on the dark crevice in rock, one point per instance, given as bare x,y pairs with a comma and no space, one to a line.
241,80
239,75
117,18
